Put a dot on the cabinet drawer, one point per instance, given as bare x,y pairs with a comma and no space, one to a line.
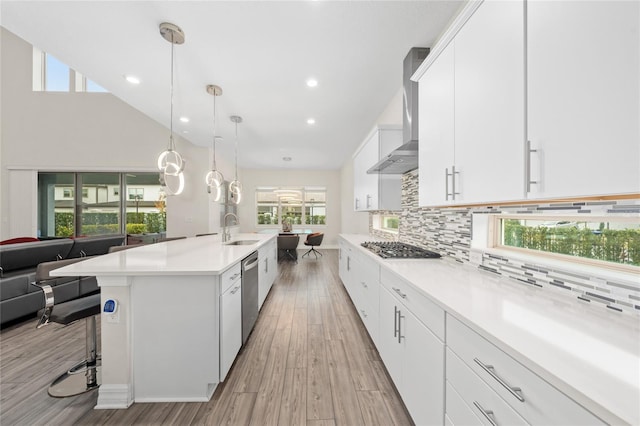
480,399
424,309
533,398
367,281
229,277
457,412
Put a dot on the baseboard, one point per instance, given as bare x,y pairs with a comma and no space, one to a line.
114,397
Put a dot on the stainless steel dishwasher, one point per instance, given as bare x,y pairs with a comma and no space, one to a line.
249,294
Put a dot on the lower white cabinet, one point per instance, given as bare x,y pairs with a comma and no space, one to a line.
414,358
230,319
484,374
268,272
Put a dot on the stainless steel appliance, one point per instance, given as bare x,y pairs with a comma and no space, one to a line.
396,250
249,269
405,157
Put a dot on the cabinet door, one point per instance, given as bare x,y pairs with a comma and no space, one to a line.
489,104
436,121
388,345
230,327
367,188
583,97
263,275
422,387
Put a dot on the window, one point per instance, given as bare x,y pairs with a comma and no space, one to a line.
386,222
136,193
102,207
56,75
52,75
615,240
299,206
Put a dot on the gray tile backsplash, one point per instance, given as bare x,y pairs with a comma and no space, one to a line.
448,232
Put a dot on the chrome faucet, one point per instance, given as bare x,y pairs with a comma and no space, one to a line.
226,235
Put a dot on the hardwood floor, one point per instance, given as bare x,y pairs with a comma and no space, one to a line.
308,361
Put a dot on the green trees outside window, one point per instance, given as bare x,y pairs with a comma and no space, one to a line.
606,241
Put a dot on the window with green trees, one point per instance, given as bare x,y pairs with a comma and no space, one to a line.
298,206
607,239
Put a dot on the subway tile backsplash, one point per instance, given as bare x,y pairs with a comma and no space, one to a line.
448,232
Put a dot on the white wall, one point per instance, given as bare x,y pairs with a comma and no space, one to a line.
252,178
358,222
85,132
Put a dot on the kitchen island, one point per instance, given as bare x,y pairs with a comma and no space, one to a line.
163,342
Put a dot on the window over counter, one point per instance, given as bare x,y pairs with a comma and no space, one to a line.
296,205
103,205
386,222
602,240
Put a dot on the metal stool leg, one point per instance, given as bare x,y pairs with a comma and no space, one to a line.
72,382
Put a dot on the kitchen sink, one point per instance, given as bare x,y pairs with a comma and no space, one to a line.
241,243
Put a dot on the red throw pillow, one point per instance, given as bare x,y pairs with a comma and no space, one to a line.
18,240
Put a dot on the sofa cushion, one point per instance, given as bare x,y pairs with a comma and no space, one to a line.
14,286
29,255
91,246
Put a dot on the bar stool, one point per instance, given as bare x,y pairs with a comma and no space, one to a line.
71,382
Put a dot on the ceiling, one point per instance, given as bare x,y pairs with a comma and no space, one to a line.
261,53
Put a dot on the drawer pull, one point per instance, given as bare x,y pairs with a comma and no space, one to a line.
491,371
235,290
488,414
364,314
395,321
401,294
363,284
234,276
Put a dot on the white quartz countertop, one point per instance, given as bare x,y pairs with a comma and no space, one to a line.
587,352
206,255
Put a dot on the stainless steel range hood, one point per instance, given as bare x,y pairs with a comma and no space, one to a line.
405,157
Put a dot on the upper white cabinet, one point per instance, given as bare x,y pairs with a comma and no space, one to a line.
472,111
376,191
533,103
583,97
436,123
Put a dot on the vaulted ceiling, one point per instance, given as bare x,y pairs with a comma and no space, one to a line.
261,53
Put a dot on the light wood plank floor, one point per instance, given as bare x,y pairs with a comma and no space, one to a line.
309,361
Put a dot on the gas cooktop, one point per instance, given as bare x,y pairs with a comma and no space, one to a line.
395,250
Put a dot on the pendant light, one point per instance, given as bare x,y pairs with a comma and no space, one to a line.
214,179
235,187
170,162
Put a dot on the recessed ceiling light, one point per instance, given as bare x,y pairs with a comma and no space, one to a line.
311,121
286,158
184,119
132,79
312,82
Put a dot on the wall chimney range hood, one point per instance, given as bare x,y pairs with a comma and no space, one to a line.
405,158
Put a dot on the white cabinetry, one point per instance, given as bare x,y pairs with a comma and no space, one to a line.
472,111
376,191
230,318
583,97
494,385
268,269
413,352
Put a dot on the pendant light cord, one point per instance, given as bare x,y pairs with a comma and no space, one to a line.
214,130
236,145
172,144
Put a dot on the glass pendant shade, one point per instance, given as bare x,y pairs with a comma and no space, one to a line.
235,188
170,162
214,178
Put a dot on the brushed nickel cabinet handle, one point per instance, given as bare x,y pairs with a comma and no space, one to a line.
488,414
527,166
395,321
401,294
491,371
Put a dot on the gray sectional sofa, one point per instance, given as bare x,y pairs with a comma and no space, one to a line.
18,263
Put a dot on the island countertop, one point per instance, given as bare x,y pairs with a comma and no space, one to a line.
206,255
